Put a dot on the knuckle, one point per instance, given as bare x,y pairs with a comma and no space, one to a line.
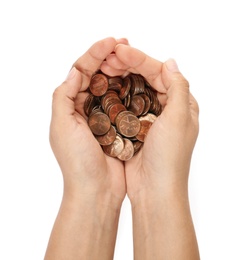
184,82
57,92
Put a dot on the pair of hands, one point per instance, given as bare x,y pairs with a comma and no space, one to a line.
163,162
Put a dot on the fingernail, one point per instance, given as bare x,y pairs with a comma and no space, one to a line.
172,65
71,73
122,41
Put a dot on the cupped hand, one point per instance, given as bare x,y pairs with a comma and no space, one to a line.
86,169
163,162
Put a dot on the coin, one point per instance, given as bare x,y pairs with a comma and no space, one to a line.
114,110
125,88
107,138
98,84
128,125
99,123
147,103
115,148
120,112
149,117
146,122
89,103
115,83
137,105
137,145
144,128
127,152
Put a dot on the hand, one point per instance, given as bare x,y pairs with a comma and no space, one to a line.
85,168
165,158
157,177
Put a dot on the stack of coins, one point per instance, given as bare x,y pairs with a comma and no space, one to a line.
120,112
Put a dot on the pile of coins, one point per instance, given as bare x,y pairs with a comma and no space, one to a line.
120,112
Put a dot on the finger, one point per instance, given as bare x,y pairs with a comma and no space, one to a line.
113,66
64,95
113,61
194,106
91,60
178,88
122,41
111,70
136,61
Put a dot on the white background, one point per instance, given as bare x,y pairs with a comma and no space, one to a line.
39,41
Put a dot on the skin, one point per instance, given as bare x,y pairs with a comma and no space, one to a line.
156,179
94,184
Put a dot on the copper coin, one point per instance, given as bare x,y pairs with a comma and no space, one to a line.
145,126
149,117
127,100
147,103
115,83
99,123
98,84
115,148
137,105
121,115
114,110
89,103
129,103
137,146
127,152
107,138
111,102
128,125
125,88
137,84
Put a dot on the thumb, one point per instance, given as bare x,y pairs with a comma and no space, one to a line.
177,86
65,94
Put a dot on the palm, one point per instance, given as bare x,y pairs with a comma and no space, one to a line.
139,170
109,172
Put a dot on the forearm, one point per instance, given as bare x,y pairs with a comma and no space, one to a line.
163,227
84,229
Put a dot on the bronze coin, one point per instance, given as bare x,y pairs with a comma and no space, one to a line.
128,125
137,105
147,103
111,102
137,84
98,84
89,103
137,146
99,123
115,83
121,114
115,148
127,100
129,103
127,152
146,123
114,110
107,138
145,126
125,88
96,109
148,117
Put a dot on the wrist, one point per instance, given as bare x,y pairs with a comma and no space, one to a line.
88,197
86,227
160,221
153,195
